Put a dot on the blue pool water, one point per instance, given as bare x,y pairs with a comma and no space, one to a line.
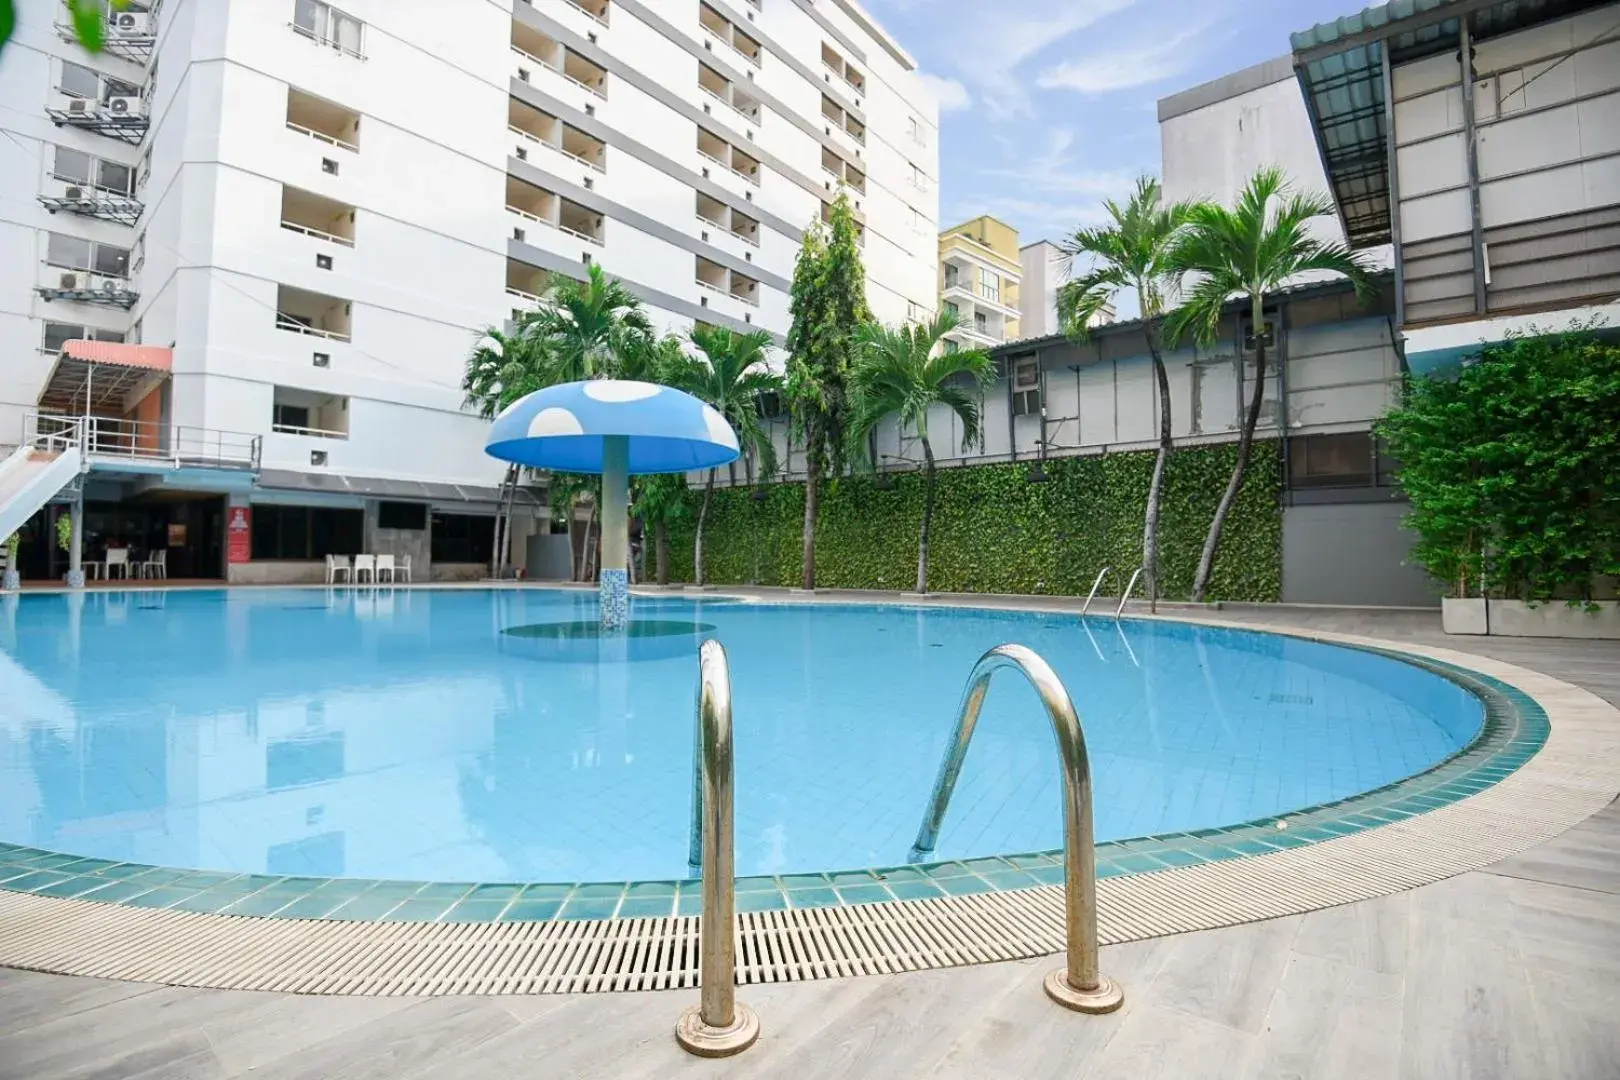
474,735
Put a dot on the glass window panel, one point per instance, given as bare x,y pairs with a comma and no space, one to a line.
107,335
310,17
115,88
68,252
80,81
115,177
56,333
112,260
346,32
72,165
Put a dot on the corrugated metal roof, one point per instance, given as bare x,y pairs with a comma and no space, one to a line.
117,352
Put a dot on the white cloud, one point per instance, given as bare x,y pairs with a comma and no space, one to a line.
999,38
950,93
1123,69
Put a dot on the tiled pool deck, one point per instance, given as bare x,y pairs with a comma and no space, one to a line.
1515,728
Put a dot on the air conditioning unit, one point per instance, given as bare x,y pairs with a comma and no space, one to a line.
112,286
72,282
125,106
77,106
136,24
76,193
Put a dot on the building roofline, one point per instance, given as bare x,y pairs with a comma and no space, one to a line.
1335,287
1277,69
866,22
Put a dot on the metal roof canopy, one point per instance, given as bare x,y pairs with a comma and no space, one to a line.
95,377
1340,70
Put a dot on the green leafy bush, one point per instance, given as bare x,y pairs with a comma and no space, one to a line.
995,532
1512,464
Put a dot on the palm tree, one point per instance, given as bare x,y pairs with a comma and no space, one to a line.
731,374
906,373
592,325
500,369
1247,251
1132,252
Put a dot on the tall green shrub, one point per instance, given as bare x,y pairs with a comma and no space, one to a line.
1512,464
995,532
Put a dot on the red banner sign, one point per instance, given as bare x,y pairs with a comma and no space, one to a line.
239,534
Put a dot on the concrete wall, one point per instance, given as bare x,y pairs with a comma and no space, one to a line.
1043,271
1352,553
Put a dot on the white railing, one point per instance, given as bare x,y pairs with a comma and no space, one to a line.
712,288
528,216
285,323
322,39
585,161
582,235
529,135
293,226
745,298
318,433
521,295
599,91
321,136
728,43
705,154
178,444
590,14
751,177
745,237
716,224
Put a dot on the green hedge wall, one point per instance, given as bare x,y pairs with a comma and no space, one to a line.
995,532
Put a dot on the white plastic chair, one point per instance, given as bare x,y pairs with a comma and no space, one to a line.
364,565
335,565
156,565
118,559
403,570
385,565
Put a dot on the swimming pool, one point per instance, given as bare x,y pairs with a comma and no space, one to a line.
487,735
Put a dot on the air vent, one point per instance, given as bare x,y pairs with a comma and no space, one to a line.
317,457
323,262
323,359
329,166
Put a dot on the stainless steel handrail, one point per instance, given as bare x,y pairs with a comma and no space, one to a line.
719,1025
1125,596
1078,985
1095,585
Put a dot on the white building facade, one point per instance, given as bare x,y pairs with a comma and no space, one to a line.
317,210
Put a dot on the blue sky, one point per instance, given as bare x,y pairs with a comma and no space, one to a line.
1049,106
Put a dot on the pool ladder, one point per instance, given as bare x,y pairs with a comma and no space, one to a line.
1124,597
719,1025
1079,984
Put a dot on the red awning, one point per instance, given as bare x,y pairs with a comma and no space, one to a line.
103,377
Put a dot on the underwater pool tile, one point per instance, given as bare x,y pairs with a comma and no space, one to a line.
588,907
525,910
550,891
964,886
475,911
808,898
761,901
646,907
419,910
915,890
494,892
864,894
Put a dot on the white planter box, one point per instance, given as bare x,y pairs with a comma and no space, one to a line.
1464,616
1515,618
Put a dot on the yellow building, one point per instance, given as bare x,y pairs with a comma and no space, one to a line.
979,278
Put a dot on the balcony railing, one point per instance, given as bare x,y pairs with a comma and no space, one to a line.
600,92
525,214
284,322
318,433
714,288
318,234
321,136
521,295
581,235
143,440
588,13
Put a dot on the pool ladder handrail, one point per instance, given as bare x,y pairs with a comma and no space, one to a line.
1079,984
719,1025
1095,585
1125,597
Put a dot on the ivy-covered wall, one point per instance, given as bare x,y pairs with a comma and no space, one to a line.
995,532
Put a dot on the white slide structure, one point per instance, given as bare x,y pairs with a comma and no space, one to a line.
29,479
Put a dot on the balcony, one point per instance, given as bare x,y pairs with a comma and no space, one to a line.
317,216
729,34
728,94
305,412
713,276
596,9
713,211
717,150
323,120
580,221
744,228
530,202
315,314
846,71
854,179
745,288
525,282
536,126
532,48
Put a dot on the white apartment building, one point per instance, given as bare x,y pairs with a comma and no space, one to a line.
1046,268
304,215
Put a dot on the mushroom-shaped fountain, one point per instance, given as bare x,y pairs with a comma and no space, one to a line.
618,428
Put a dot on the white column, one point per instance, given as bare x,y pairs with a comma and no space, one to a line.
614,585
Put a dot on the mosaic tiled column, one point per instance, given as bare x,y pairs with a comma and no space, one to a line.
615,575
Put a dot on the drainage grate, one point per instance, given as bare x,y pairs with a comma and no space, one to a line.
1292,699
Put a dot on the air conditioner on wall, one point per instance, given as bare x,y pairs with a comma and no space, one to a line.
135,24
126,106
72,282
77,106
75,193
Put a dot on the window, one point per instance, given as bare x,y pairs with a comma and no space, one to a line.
1331,461
57,334
305,532
116,178
402,515
951,309
72,253
329,26
79,81
952,346
290,416
112,261
74,165
1026,385
989,285
981,322
953,276
915,129
462,538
